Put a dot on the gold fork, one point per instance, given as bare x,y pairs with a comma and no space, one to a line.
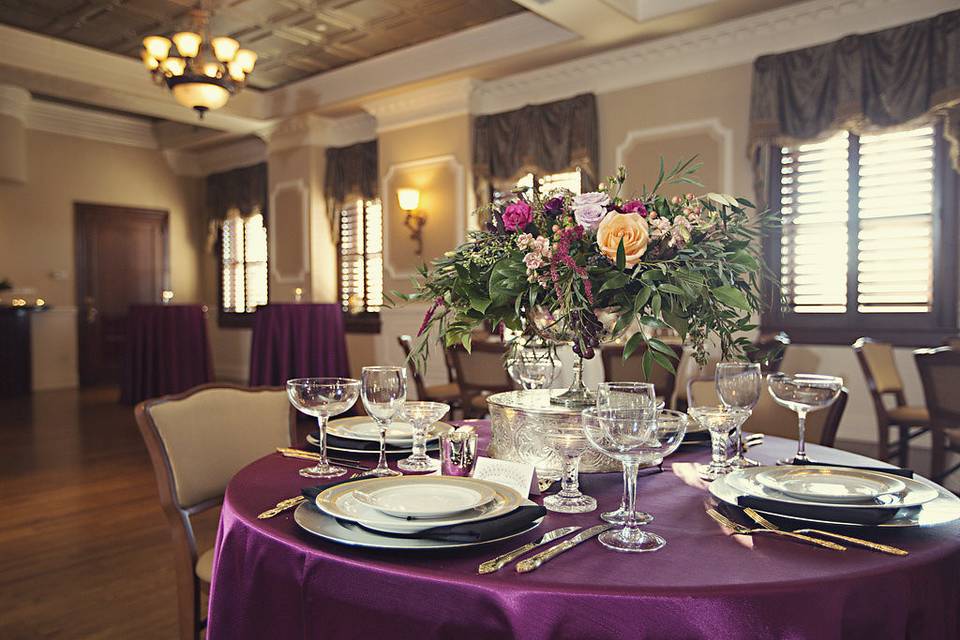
740,530
875,546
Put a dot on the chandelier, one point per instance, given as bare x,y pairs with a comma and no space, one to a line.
207,70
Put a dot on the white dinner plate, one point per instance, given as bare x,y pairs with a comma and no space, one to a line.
943,509
327,527
914,492
338,501
363,428
431,447
431,498
830,484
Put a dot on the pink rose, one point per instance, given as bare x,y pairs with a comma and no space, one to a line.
517,215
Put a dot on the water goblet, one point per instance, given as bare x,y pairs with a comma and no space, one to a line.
383,391
738,385
569,441
623,395
719,421
533,368
803,393
421,415
323,398
634,436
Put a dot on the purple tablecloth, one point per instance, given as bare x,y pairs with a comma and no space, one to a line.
272,580
297,341
167,351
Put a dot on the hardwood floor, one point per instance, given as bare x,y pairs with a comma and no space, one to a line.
85,550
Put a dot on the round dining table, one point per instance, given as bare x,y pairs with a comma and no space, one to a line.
272,579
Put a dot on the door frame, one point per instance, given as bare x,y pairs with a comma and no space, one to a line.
83,212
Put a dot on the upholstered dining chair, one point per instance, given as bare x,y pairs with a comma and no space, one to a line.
480,373
448,393
770,418
883,380
197,441
616,369
940,375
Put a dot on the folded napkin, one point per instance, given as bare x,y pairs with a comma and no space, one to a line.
895,471
818,512
366,445
476,531
697,436
311,493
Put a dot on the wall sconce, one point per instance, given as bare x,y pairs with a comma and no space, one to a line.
415,218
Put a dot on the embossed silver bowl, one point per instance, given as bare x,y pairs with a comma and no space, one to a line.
511,415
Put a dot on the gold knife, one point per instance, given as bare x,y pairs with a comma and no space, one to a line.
503,560
282,506
533,562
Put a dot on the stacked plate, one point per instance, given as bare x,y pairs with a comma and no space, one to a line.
838,496
361,435
390,513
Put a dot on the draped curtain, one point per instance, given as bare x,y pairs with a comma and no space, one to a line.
542,139
351,170
243,190
896,77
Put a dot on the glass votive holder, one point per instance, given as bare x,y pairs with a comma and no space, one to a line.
458,452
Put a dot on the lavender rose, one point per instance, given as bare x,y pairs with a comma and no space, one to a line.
589,216
517,215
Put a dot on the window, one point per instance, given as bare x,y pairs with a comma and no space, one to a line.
867,242
361,257
243,267
565,180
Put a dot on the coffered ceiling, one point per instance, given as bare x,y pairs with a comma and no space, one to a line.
295,39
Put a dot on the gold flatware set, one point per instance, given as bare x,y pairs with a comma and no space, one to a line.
287,452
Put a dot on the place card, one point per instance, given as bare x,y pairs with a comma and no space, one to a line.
521,476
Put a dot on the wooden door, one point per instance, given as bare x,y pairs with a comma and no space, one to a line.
121,260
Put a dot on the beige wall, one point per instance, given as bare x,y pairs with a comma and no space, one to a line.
37,230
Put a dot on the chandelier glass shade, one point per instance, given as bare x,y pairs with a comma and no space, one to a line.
201,72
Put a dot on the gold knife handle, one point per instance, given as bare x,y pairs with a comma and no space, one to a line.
282,506
808,539
533,562
869,544
501,561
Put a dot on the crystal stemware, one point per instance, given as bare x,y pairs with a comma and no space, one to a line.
533,368
719,421
738,385
624,395
570,442
383,391
634,436
803,393
323,398
421,415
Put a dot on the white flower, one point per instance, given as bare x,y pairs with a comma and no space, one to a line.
524,240
533,261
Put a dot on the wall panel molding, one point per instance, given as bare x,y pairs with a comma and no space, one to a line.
273,218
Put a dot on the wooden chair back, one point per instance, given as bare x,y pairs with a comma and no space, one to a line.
406,343
483,370
616,369
940,375
197,441
880,370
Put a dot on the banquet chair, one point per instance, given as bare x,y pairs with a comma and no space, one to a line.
953,342
616,369
197,441
448,393
940,375
480,373
883,379
770,418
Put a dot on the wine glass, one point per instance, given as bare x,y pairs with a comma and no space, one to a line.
383,391
322,398
738,385
533,368
570,442
421,415
803,393
634,436
719,421
623,395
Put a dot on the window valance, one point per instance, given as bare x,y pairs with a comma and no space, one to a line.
350,171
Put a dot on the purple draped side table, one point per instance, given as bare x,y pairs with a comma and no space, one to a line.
167,351
297,341
273,580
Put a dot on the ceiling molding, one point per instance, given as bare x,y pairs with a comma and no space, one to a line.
14,102
726,44
111,128
309,129
233,155
420,106
479,45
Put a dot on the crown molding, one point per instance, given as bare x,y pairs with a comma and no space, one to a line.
231,155
726,44
420,106
111,128
310,129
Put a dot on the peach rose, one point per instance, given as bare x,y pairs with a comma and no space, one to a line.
629,227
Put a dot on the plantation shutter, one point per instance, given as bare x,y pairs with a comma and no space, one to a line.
361,256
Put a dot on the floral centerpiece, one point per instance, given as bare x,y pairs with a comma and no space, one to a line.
584,268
